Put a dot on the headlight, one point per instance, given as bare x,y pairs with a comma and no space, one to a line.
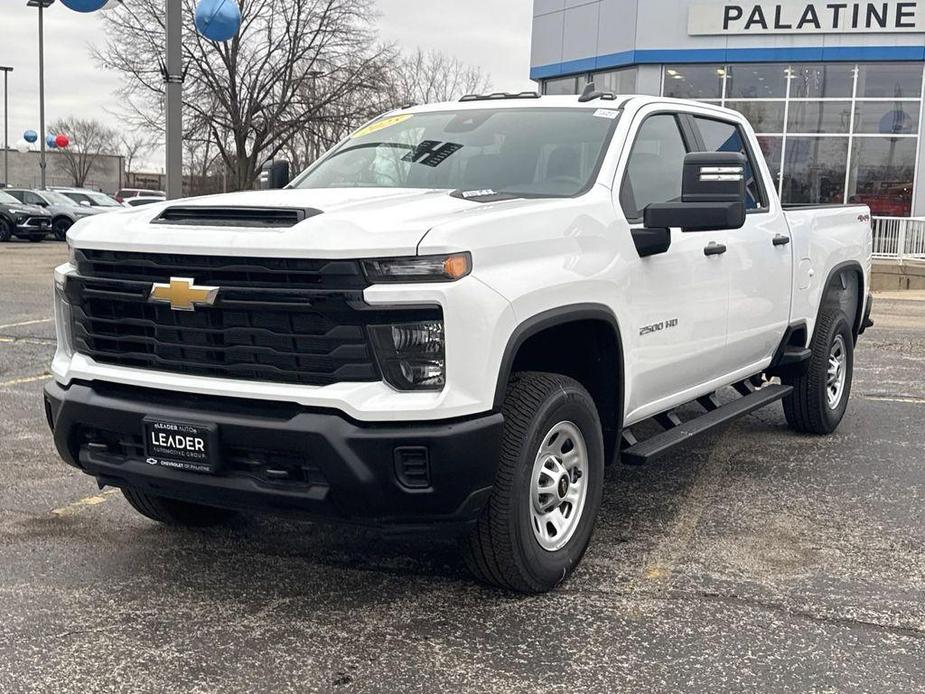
72,255
18,210
422,268
411,355
64,318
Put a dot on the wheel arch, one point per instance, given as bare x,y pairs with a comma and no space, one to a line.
844,287
538,344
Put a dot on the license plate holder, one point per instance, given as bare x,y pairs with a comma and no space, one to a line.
185,446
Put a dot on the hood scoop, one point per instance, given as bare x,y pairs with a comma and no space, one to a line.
238,217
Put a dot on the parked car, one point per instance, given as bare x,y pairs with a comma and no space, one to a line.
90,198
127,194
64,211
453,321
142,200
21,220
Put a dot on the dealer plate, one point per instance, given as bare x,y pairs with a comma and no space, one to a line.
181,445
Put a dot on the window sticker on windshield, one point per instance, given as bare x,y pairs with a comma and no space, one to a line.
381,125
606,113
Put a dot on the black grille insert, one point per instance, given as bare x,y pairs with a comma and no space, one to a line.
259,217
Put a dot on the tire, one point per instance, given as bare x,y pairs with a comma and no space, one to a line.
60,227
506,548
172,512
6,230
810,409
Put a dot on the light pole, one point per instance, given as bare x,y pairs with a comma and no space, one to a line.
41,4
173,76
6,123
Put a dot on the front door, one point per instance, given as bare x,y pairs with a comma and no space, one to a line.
679,300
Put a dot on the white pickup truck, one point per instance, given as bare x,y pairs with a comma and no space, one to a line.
453,321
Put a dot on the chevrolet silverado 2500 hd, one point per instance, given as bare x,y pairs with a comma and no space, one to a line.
453,320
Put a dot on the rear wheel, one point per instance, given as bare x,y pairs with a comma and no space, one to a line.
538,522
820,394
6,230
173,512
60,227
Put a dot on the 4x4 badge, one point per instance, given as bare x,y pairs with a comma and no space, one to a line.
183,295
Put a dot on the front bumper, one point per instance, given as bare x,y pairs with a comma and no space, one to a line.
33,225
282,457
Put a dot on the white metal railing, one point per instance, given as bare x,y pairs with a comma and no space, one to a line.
899,237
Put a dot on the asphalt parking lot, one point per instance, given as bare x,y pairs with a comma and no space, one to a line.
758,560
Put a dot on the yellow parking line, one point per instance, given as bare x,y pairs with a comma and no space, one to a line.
27,379
908,399
26,322
81,504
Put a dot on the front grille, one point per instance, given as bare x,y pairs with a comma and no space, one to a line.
277,320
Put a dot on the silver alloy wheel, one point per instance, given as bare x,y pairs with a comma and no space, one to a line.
837,372
559,486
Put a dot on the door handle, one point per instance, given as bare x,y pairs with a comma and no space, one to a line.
781,240
714,248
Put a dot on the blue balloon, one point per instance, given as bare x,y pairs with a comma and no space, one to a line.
218,20
84,5
50,142
30,136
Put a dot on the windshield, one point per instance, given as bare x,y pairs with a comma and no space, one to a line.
527,152
102,200
8,199
58,199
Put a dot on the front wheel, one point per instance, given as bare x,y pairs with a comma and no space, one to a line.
60,228
173,512
538,523
820,393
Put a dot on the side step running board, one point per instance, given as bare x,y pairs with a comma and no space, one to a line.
644,451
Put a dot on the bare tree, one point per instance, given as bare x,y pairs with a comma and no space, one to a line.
89,139
132,148
426,77
261,89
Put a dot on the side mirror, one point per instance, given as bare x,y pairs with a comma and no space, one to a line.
274,175
712,195
85,203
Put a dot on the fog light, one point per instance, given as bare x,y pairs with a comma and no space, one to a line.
411,355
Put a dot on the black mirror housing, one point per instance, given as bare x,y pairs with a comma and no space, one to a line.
274,175
712,195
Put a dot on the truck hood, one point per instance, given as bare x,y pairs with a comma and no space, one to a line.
351,222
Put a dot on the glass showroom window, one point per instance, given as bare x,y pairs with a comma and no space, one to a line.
561,86
830,132
703,82
616,81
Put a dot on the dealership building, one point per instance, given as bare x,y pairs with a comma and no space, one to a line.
832,88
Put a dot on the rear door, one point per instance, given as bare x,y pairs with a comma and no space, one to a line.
758,258
678,300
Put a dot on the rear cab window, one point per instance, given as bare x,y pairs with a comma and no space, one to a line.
723,136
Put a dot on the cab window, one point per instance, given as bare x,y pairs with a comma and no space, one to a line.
720,136
656,166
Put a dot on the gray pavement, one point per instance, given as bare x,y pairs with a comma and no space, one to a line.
758,560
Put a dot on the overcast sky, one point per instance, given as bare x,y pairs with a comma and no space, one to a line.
490,33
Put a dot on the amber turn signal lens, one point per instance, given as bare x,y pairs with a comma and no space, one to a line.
457,266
